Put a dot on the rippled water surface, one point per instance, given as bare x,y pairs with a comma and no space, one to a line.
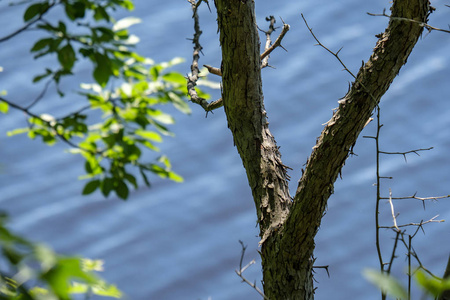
180,241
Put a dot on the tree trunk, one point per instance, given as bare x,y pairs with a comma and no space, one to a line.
288,226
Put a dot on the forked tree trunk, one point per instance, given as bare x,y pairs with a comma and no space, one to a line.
288,226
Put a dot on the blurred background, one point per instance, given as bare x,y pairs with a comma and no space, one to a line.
180,241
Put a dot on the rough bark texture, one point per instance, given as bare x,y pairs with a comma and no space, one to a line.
243,103
288,228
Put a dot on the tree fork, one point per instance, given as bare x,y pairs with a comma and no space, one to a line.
288,228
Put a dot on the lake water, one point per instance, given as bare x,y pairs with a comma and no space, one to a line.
180,241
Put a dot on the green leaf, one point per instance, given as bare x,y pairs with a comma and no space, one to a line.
175,77
34,10
107,186
387,284
122,189
154,71
125,23
161,128
179,103
66,269
165,160
147,144
66,57
76,10
46,257
150,135
175,177
102,71
4,107
107,290
142,171
161,117
38,78
128,4
131,179
17,131
176,61
433,286
41,44
101,14
91,186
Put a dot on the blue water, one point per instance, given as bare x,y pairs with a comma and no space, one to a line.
180,241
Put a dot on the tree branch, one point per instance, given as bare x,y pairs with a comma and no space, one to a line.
49,124
340,133
269,48
27,25
416,151
242,270
423,24
195,72
421,223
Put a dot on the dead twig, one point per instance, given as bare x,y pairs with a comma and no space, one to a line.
269,47
419,225
336,55
394,217
416,151
195,72
212,70
423,199
424,25
242,269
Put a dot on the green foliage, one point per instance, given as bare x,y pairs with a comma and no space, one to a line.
53,276
106,44
115,125
389,285
432,285
386,283
4,107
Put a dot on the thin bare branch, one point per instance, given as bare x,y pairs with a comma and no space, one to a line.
48,123
324,47
420,224
418,198
242,269
336,54
416,151
41,95
195,72
424,25
394,217
213,70
27,25
391,261
378,195
269,48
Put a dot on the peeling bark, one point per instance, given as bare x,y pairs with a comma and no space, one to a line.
288,228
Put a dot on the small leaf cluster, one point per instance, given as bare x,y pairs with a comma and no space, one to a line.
130,120
32,271
91,34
